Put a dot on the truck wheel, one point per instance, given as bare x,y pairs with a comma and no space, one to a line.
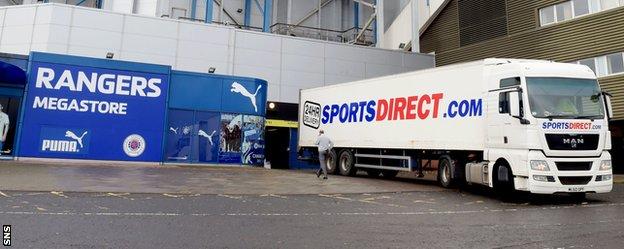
331,162
389,174
347,163
503,183
445,173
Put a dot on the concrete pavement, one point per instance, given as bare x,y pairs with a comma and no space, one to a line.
15,175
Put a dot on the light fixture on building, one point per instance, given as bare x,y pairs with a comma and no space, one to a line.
402,45
239,11
271,105
110,55
212,70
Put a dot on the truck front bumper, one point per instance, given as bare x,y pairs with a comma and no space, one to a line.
559,180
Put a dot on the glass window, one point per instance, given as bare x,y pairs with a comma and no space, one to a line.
510,82
594,6
601,66
503,102
609,4
547,15
581,7
615,63
564,98
564,11
590,63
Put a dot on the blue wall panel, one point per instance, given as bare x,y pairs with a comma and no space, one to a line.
246,96
195,91
69,103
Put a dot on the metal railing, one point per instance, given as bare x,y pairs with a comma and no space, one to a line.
343,36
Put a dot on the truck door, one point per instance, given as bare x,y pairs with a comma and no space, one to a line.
504,131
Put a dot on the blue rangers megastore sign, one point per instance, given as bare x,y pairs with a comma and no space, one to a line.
94,110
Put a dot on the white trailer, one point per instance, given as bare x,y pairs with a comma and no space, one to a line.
528,125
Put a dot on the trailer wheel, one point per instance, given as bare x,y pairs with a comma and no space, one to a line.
445,174
389,174
346,163
331,162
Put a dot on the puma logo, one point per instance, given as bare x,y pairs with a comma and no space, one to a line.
204,134
175,130
238,88
73,136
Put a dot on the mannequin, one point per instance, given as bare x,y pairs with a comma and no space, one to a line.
4,126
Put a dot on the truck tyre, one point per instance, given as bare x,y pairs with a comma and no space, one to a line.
331,161
503,181
346,163
389,174
445,172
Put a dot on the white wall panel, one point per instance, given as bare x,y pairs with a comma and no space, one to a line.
49,48
19,16
151,27
2,15
273,93
12,35
53,34
149,45
340,51
74,49
95,38
95,19
204,33
384,57
200,65
302,63
378,70
289,93
302,79
200,50
15,48
146,58
418,61
49,14
345,68
251,57
336,79
272,76
303,47
258,41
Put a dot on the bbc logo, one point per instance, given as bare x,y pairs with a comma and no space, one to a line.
6,235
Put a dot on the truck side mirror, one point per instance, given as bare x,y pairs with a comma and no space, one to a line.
609,107
514,104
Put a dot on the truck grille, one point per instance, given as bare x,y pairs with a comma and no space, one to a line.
572,142
574,180
565,166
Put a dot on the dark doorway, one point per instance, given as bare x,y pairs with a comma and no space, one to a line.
276,149
10,107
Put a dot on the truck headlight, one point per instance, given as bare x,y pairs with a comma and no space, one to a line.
605,165
539,165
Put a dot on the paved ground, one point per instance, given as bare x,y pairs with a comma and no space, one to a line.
195,179
423,217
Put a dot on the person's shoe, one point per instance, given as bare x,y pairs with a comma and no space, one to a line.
324,177
318,173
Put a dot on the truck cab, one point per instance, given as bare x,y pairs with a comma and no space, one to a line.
547,129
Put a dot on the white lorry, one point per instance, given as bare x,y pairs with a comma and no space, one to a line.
529,125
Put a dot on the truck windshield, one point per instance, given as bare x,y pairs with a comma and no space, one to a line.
564,98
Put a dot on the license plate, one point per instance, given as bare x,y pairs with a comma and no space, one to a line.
576,189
